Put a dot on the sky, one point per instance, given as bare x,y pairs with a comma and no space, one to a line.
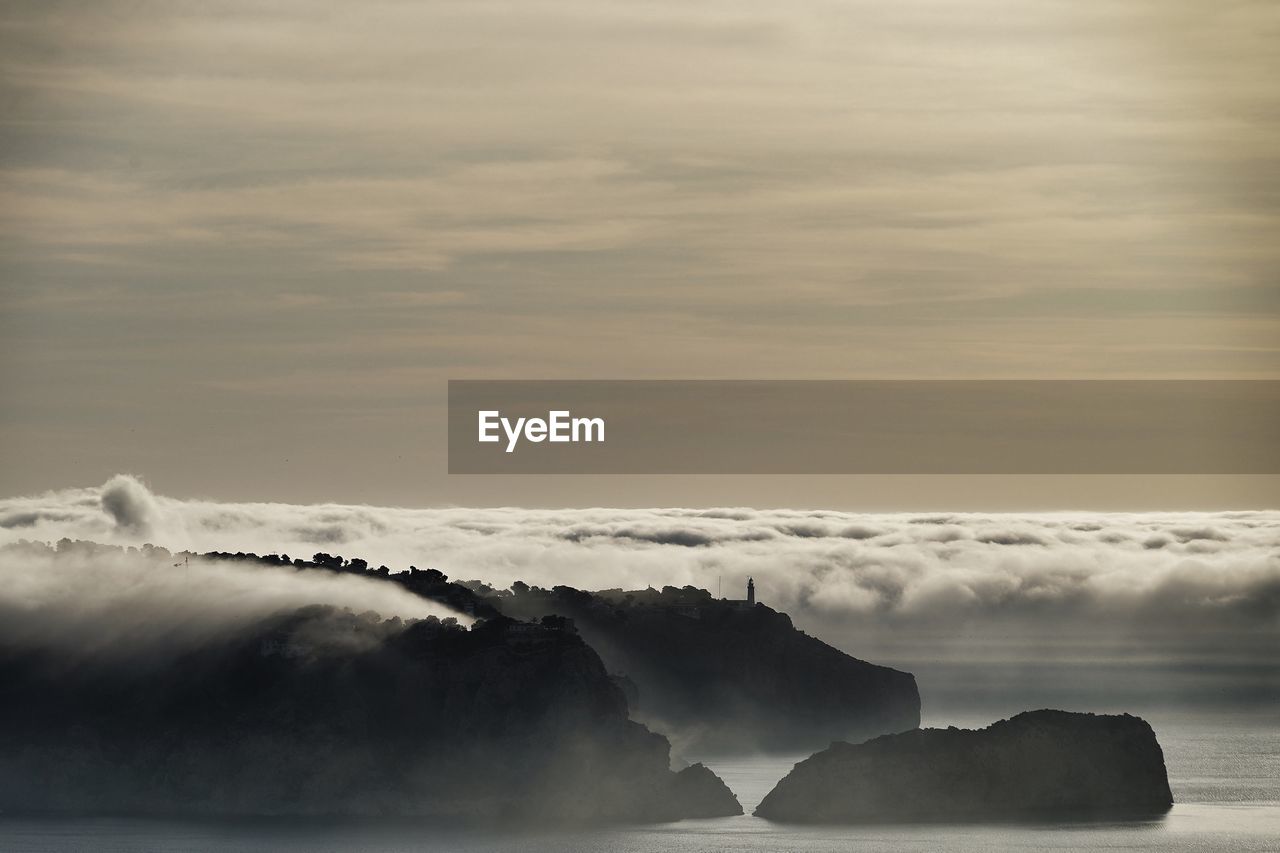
243,245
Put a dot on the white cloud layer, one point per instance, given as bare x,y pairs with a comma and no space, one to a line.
96,600
1185,585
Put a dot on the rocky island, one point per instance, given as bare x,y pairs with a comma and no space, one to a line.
1038,764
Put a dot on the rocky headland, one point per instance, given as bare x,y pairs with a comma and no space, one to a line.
717,676
727,676
323,711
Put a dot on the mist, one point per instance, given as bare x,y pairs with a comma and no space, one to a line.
90,600
1032,596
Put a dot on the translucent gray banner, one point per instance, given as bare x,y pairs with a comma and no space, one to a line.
864,427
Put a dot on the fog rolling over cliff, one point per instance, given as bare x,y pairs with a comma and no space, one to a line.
717,676
313,709
994,612
91,600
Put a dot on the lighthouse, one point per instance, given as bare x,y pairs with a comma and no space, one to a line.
751,592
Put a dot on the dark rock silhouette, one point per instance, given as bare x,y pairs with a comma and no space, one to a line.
321,711
725,676
718,676
697,792
1039,764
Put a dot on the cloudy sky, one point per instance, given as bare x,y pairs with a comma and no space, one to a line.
243,245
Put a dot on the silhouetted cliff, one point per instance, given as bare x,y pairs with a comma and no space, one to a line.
321,711
1052,764
724,676
718,676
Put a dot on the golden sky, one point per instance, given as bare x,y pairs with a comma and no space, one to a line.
246,243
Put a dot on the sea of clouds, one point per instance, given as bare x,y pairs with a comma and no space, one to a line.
911,588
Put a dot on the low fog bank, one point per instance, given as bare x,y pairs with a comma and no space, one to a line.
1169,592
91,599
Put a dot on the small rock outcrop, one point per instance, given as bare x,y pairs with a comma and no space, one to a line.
1050,764
697,792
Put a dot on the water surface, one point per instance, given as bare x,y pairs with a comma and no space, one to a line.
1224,769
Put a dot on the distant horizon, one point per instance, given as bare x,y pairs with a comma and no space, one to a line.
875,493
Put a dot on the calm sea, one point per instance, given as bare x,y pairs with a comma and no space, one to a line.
1224,768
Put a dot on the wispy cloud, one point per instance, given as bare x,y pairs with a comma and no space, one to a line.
242,206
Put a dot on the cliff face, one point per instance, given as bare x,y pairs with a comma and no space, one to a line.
325,712
717,676
722,676
1051,764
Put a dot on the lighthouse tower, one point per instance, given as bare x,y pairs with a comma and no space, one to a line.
751,592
